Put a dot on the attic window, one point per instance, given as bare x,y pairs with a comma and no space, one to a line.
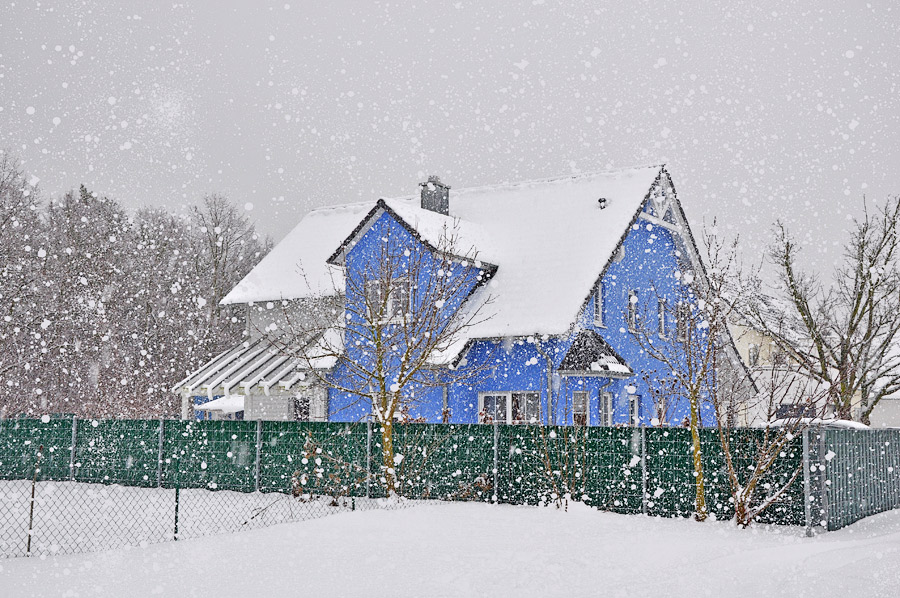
662,309
682,316
387,300
599,307
753,355
632,312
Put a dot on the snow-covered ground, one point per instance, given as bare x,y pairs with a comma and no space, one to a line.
475,549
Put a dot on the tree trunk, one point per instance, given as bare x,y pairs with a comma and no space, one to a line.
387,454
700,500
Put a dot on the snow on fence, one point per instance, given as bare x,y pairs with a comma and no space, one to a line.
106,483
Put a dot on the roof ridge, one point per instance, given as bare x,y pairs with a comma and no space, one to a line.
552,179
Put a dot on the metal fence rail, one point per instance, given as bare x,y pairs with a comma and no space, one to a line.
101,484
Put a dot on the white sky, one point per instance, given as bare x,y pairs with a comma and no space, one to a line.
761,111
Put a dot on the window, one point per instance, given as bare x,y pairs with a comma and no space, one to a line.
301,409
493,408
753,355
682,317
580,406
661,407
509,407
776,355
598,306
663,317
632,310
634,410
606,409
397,303
526,407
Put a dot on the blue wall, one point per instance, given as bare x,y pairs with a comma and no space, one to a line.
408,255
649,266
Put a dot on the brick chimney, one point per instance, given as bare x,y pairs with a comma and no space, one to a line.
435,195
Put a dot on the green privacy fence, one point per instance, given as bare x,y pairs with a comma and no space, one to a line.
626,470
857,474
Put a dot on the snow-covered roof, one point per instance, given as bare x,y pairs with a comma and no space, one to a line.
590,355
297,267
259,365
550,240
226,405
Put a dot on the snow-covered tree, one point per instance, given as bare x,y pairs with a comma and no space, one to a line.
102,311
23,259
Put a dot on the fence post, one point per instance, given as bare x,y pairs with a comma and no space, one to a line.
177,501
643,470
823,487
258,450
159,463
807,490
369,458
496,461
72,451
37,468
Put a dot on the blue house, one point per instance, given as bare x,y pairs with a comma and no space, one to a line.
555,285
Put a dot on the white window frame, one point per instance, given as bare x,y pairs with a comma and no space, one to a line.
661,407
509,397
681,321
584,396
599,308
753,355
632,311
606,409
398,301
634,409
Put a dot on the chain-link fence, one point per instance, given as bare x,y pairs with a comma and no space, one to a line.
69,517
69,485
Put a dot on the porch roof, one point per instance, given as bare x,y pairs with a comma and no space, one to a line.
253,366
590,355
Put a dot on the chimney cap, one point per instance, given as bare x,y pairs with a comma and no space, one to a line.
434,179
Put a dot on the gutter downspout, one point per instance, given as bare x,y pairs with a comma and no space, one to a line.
549,361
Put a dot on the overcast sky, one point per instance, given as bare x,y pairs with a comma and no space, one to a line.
761,110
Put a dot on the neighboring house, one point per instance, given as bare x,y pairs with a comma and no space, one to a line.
566,261
785,390
886,413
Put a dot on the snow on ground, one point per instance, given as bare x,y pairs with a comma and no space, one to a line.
471,549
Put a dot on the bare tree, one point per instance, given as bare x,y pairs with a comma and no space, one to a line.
226,247
689,351
23,262
703,367
845,333
405,306
788,402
